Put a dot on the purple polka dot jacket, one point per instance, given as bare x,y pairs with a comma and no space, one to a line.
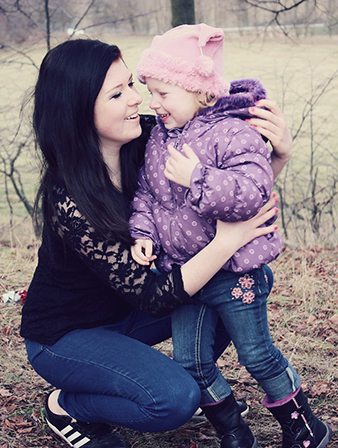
232,182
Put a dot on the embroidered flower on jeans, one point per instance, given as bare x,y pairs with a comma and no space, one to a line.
246,282
248,297
294,415
237,293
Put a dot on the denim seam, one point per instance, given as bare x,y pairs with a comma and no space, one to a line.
199,369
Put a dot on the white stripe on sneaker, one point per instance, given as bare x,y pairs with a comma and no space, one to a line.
63,433
66,430
74,436
81,442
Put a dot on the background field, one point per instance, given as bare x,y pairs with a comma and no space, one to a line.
303,306
302,77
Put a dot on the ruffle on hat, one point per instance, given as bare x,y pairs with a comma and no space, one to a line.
189,56
200,77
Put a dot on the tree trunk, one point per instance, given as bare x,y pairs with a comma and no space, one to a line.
183,11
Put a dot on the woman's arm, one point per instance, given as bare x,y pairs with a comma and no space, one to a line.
229,238
270,122
156,295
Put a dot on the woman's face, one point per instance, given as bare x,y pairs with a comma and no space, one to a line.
116,108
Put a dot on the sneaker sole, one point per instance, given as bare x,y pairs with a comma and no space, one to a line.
246,411
75,435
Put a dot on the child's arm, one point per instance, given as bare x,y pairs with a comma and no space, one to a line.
236,186
142,252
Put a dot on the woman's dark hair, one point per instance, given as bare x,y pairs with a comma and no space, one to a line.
70,79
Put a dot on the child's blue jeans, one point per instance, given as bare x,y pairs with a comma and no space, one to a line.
240,300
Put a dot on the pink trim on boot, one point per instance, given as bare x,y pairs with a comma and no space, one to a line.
268,403
214,403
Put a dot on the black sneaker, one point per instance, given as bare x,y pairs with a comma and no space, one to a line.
83,435
199,415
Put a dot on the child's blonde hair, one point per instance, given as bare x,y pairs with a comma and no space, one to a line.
205,100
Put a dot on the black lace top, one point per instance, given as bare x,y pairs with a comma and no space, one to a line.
83,282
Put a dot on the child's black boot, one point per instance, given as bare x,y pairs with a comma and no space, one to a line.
229,424
301,428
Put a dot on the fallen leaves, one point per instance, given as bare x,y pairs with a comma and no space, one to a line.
19,425
303,320
334,320
320,388
5,393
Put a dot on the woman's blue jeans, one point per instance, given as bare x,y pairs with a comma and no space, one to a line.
111,374
241,302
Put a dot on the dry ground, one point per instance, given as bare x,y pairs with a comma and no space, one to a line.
304,324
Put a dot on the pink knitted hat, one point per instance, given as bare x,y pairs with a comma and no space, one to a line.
189,56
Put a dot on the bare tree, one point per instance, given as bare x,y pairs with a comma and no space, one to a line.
288,14
183,11
12,174
293,17
17,56
308,188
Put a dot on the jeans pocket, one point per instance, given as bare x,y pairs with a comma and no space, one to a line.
264,280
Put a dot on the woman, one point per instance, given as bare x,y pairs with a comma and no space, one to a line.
91,312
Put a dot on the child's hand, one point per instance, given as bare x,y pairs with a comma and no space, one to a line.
179,168
142,252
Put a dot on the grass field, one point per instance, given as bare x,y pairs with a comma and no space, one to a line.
302,77
303,304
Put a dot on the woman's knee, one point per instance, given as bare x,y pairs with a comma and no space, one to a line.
179,406
180,412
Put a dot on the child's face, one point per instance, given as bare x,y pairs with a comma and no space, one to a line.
174,105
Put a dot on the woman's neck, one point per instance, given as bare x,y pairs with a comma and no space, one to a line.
112,160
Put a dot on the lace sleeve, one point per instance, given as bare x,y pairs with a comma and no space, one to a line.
155,295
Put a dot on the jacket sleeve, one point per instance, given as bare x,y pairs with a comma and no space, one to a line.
141,222
111,262
240,181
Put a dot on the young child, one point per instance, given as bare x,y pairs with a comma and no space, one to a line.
203,162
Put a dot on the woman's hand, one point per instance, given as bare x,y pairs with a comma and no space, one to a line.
270,122
229,238
238,234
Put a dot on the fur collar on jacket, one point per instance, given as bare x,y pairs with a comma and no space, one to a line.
243,93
